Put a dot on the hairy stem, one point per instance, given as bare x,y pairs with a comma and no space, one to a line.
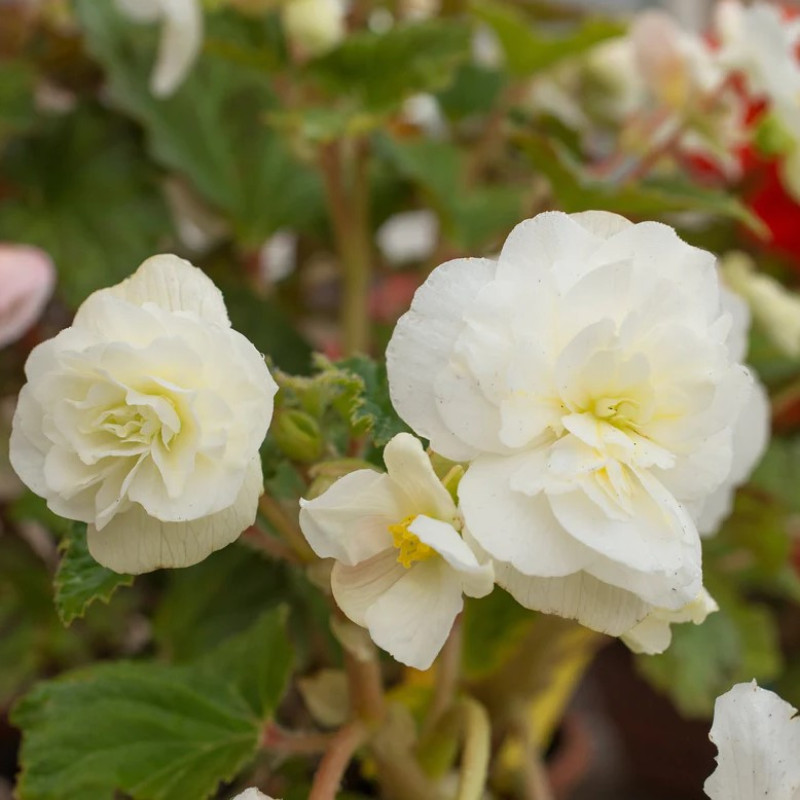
476,752
448,669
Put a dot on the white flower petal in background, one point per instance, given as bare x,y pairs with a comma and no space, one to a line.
401,567
144,420
758,738
424,112
590,377
654,633
181,38
408,236
314,26
252,794
277,257
199,227
27,279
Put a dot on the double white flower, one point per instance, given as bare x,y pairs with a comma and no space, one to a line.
144,419
590,376
401,566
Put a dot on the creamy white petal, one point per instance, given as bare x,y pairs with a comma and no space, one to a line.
181,42
422,343
579,596
135,542
758,738
513,526
476,579
410,469
412,619
350,521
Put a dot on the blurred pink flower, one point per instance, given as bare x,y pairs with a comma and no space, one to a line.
27,278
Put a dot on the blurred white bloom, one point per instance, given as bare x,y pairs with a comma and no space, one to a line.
486,49
774,307
144,420
401,566
199,227
408,236
757,735
423,111
654,633
612,65
758,42
314,26
27,278
419,9
277,257
588,377
181,38
327,696
252,794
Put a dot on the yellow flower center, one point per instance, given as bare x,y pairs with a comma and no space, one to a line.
410,548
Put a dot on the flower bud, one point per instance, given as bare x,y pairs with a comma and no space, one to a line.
314,26
298,435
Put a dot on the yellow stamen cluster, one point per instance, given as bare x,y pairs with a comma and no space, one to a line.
410,548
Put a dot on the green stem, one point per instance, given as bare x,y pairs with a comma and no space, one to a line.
272,511
348,206
366,687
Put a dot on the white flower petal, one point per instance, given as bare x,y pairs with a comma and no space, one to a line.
758,738
413,618
410,469
135,542
251,794
350,521
579,596
421,346
477,579
515,527
181,42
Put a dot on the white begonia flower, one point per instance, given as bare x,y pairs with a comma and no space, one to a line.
401,566
588,377
181,38
757,735
759,43
654,633
612,65
408,236
144,420
314,26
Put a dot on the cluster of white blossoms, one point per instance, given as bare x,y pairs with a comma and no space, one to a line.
144,419
591,382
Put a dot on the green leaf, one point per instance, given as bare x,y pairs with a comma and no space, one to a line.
379,70
737,643
474,90
151,731
779,471
372,409
237,584
80,580
526,49
575,190
82,191
213,129
17,84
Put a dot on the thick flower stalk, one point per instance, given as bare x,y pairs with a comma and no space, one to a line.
590,377
402,567
144,420
758,738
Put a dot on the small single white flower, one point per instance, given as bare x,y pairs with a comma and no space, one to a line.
144,419
401,566
314,26
654,633
757,735
181,38
408,236
757,42
590,378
